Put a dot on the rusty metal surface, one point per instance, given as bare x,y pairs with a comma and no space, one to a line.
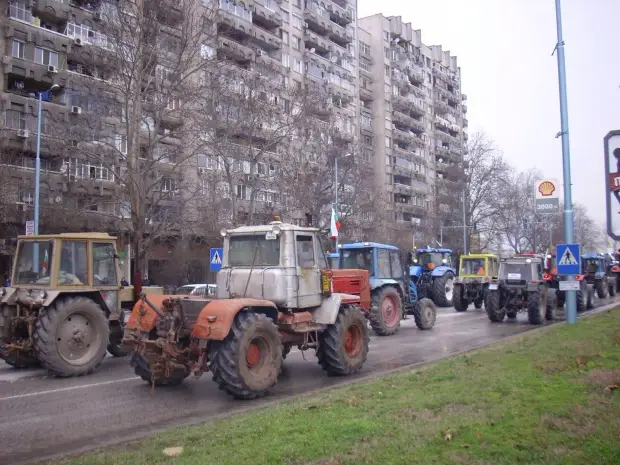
215,320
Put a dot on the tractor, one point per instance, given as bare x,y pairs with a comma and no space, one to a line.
432,272
550,275
274,291
471,284
333,259
519,287
598,272
65,306
393,293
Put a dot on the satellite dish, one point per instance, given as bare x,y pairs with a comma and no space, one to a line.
312,50
333,59
58,199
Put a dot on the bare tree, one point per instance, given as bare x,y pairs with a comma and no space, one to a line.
132,106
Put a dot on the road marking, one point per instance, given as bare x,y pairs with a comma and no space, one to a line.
71,388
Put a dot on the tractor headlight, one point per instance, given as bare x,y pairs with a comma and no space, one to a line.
443,260
223,232
529,260
276,229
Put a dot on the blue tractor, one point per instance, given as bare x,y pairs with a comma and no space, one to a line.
598,272
433,274
393,294
333,258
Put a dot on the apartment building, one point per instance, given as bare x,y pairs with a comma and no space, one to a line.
412,116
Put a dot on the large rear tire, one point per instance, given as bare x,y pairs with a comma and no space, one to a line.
386,311
602,289
536,307
551,303
582,297
425,314
443,290
612,286
249,361
142,368
494,312
459,301
71,338
343,346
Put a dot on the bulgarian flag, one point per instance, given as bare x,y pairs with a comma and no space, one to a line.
46,263
335,225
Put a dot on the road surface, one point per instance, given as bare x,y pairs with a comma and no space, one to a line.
41,417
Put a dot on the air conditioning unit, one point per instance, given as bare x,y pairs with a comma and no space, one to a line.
77,41
52,69
23,133
76,110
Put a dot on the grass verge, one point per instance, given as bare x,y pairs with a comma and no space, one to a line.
551,398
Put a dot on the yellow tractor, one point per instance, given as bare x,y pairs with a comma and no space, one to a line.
471,285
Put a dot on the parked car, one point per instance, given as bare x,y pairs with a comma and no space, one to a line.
200,290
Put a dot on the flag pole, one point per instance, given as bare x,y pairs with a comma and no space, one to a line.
336,204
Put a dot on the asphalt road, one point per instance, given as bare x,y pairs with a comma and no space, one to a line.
41,417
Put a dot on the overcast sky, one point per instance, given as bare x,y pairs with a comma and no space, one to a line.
510,78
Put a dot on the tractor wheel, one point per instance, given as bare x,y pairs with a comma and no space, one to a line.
551,303
536,307
71,337
443,290
459,301
494,312
18,359
425,314
582,297
612,287
142,368
115,345
601,288
249,361
386,311
478,303
343,346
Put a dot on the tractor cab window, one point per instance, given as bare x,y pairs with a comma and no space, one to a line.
515,271
357,259
104,265
254,248
305,251
73,264
322,259
383,264
333,262
433,259
590,266
29,253
397,268
473,266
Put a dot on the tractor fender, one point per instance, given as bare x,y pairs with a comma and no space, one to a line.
441,270
376,283
149,319
327,313
216,318
9,296
415,270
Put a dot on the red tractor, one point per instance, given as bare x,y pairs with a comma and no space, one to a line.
584,297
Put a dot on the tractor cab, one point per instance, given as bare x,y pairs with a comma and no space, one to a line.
433,274
333,258
593,266
478,266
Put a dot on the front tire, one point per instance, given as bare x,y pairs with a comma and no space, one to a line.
386,311
249,361
443,290
459,301
551,303
601,288
612,287
343,346
582,297
71,338
536,308
494,312
425,314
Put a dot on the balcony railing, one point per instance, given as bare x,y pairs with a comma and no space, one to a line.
236,10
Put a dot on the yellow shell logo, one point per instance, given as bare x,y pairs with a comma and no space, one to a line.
546,188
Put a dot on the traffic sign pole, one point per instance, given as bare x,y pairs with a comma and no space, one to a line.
571,296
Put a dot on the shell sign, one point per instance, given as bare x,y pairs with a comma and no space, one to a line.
547,196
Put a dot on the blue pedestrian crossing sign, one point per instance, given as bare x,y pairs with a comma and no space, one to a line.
215,259
569,259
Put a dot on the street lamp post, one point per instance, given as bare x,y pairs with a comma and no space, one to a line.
571,296
37,171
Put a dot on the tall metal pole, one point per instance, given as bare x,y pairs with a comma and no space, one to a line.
464,227
37,168
571,296
336,205
441,235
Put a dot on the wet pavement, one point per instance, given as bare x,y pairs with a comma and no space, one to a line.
41,417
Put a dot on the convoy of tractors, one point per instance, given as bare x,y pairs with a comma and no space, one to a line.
277,289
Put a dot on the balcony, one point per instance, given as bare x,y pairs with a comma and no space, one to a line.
441,151
465,122
416,75
402,135
339,34
235,50
366,94
273,61
319,43
267,17
338,14
464,108
267,39
441,107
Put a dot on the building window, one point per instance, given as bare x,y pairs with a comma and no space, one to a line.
367,140
388,142
296,43
18,48
243,192
45,57
206,51
364,48
297,22
284,37
297,3
366,121
297,66
285,16
286,61
387,70
365,65
386,35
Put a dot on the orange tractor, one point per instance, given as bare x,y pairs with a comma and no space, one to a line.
274,291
